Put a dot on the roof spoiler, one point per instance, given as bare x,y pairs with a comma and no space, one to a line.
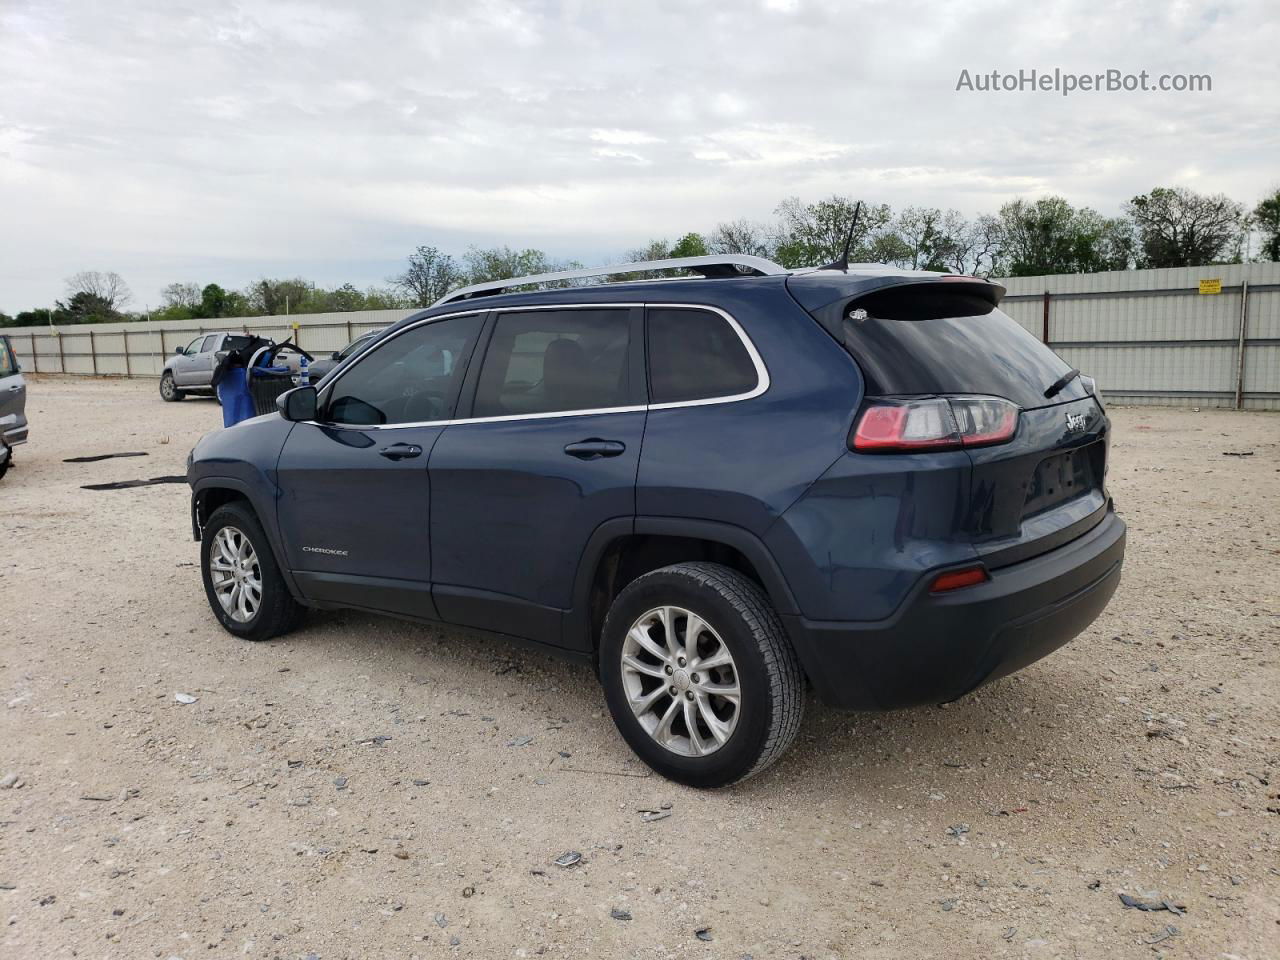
829,295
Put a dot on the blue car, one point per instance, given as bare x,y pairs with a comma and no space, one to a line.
718,491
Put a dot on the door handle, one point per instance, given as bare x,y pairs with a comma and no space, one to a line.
594,448
401,451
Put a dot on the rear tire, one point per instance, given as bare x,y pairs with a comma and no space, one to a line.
242,581
738,646
169,391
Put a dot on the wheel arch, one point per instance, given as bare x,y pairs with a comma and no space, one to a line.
622,550
210,493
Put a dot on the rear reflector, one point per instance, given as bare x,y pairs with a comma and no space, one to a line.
934,423
955,579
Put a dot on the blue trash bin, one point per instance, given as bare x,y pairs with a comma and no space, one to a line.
233,392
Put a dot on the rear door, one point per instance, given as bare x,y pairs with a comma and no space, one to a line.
548,451
354,491
13,396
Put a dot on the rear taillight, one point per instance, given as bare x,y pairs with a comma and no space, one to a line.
934,423
1091,385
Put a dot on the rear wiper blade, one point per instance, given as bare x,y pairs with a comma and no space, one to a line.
1057,385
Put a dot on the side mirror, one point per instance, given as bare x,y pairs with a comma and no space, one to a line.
297,404
179,351
334,355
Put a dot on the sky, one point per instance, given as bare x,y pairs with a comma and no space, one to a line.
226,141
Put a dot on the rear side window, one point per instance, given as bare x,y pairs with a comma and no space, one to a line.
210,342
411,378
695,355
547,361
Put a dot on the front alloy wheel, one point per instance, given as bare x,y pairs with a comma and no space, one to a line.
236,576
242,580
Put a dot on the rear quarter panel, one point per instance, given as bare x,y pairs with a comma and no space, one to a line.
744,462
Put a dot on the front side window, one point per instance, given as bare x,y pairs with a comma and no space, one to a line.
549,361
412,378
696,355
8,364
192,348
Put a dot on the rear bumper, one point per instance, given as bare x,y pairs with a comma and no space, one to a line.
936,648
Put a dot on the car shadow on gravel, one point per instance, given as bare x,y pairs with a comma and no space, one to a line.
1011,723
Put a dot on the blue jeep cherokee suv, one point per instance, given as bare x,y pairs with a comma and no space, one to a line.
712,489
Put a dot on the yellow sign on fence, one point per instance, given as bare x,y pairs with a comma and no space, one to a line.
1211,286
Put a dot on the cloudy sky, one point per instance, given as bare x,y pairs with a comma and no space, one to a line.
216,141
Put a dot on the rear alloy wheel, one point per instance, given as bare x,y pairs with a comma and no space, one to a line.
699,676
169,391
241,579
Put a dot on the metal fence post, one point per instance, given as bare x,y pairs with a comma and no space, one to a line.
1242,343
35,356
93,352
1044,338
62,357
128,368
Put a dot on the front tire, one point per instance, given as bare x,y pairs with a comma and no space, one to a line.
241,578
169,391
699,676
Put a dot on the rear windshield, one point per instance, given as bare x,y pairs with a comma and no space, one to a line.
907,345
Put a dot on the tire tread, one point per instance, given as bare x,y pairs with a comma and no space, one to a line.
786,680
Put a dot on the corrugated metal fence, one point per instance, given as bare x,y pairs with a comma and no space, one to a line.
140,349
1152,337
1148,336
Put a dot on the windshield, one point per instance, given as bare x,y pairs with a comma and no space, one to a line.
358,343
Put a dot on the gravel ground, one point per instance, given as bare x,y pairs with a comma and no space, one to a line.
371,788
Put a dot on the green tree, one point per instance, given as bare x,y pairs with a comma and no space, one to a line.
41,316
213,303
1266,218
1050,236
1177,227
270,298
690,245
85,307
813,234
430,274
741,236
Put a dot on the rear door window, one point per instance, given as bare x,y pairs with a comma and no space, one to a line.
210,342
696,355
550,361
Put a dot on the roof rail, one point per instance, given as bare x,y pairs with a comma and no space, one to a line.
718,265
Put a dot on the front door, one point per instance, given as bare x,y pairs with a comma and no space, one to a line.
546,453
354,491
184,364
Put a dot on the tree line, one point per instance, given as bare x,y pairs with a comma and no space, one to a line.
1167,227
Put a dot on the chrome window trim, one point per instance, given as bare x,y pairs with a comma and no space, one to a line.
762,372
